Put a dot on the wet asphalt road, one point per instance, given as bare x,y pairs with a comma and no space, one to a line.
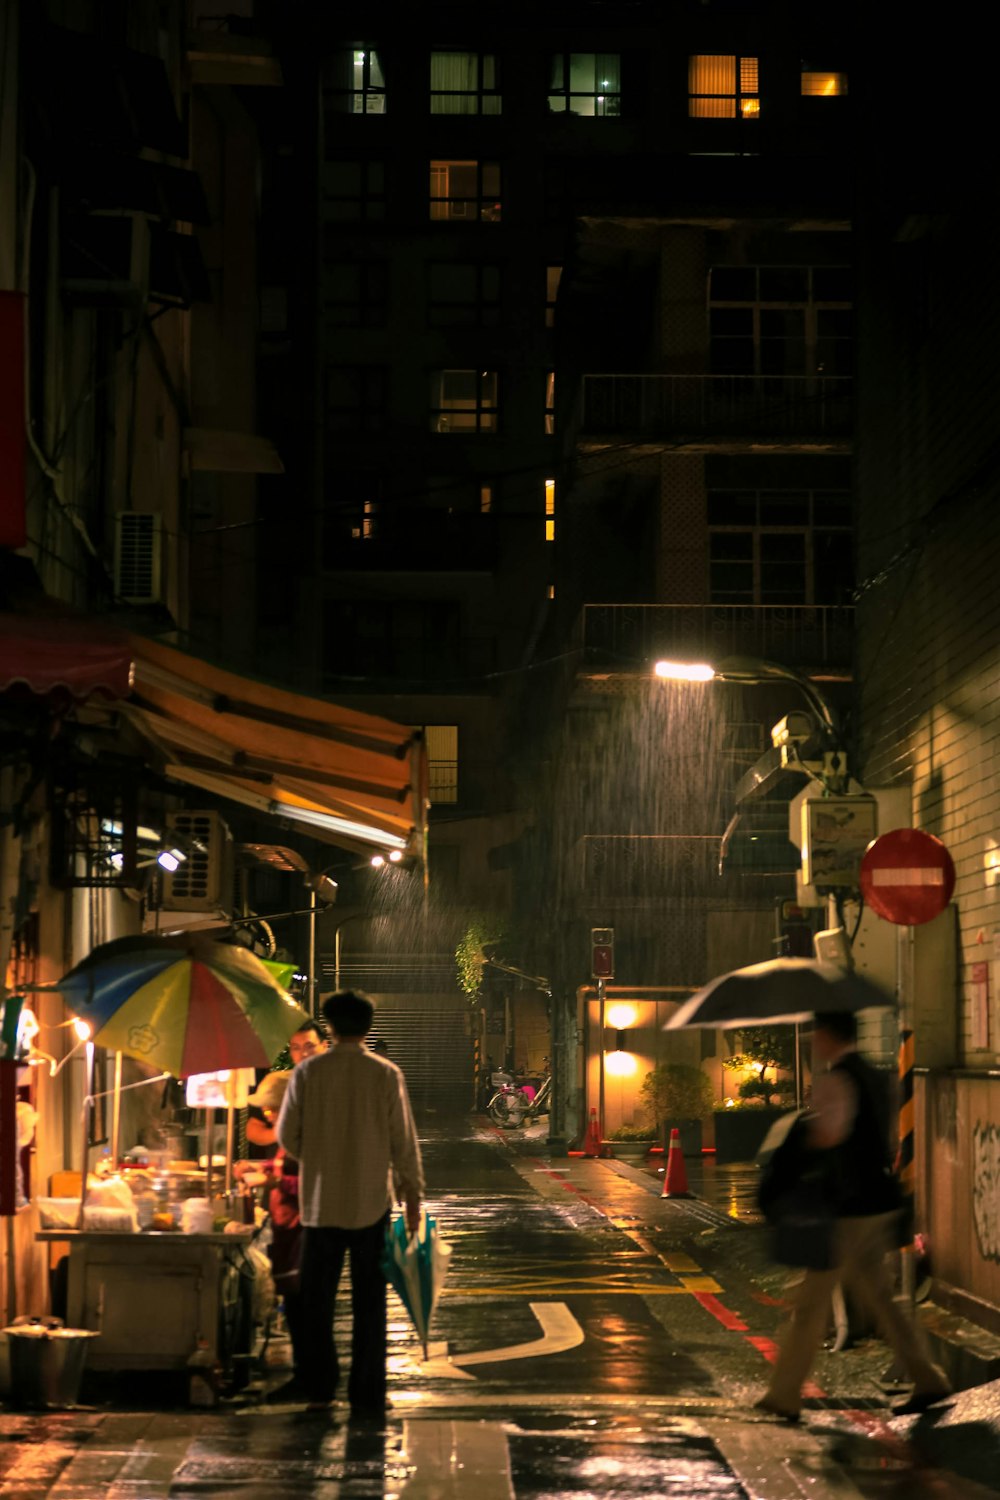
592,1340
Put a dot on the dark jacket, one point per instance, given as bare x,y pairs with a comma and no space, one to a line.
865,1183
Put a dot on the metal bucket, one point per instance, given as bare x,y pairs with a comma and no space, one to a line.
46,1365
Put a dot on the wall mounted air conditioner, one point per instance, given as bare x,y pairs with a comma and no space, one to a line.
138,556
204,880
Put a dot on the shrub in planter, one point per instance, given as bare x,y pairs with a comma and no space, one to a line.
740,1132
678,1095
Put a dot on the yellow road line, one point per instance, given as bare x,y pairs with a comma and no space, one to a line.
569,1291
676,1260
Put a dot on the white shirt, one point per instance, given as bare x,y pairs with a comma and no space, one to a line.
346,1119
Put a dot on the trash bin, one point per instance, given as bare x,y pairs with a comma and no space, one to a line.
46,1363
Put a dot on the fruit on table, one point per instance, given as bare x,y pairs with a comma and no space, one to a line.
162,1221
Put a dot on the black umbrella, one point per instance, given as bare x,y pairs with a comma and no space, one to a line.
780,991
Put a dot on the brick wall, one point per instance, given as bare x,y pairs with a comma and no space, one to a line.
928,475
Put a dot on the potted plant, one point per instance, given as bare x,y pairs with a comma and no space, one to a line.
678,1095
742,1124
633,1142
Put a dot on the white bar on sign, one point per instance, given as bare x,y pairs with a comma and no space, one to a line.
908,877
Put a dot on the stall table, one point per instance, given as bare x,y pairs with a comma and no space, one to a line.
156,1298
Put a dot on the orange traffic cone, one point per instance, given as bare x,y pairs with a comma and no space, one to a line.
675,1184
592,1141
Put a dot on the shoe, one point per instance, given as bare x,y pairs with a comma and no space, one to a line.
770,1410
920,1401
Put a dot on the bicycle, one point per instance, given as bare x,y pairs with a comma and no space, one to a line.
511,1106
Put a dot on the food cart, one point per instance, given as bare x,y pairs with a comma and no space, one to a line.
161,1266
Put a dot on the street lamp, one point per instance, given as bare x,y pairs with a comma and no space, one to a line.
750,669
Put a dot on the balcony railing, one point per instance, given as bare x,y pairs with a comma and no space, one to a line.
801,636
718,407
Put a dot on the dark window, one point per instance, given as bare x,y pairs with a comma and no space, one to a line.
353,508
780,546
354,294
354,190
780,320
414,639
355,398
463,294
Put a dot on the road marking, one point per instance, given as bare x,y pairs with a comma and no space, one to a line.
568,1288
560,1331
728,1319
676,1260
701,1284
455,1459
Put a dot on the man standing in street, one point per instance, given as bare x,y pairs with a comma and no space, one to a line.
849,1127
346,1118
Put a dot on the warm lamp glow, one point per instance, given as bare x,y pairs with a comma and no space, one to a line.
82,1029
621,1017
685,671
620,1065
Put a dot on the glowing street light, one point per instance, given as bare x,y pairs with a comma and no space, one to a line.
752,669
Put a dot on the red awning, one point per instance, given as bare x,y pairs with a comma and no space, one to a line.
73,656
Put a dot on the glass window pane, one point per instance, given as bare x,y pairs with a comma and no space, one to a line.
832,508
733,284
375,71
788,324
582,72
822,84
491,283
607,73
458,386
489,71
731,546
833,567
491,179
748,75
488,387
835,323
779,508
732,508
557,79
728,322
784,547
784,284
833,284
731,583
712,74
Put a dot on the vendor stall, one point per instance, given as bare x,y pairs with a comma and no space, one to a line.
160,1261
166,1301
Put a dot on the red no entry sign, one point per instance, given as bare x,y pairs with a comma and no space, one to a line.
907,876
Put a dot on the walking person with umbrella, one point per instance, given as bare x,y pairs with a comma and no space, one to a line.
346,1119
848,1133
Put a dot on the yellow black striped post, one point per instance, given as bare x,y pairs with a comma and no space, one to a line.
476,1070
907,1165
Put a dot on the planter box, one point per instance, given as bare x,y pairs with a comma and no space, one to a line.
634,1152
690,1136
739,1133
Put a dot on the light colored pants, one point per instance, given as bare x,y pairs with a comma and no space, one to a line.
861,1249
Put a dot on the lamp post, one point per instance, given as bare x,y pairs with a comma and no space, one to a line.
752,669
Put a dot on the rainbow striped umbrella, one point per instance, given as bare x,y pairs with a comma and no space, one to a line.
183,1004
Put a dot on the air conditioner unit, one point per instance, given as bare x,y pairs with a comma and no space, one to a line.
137,556
204,880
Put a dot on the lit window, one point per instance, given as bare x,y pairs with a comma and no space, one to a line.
550,402
464,83
463,295
553,275
353,82
585,83
465,190
485,499
442,762
552,591
550,510
723,88
464,401
818,83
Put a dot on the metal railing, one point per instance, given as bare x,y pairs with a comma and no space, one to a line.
718,406
632,636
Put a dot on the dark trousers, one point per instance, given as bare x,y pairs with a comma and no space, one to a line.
323,1254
